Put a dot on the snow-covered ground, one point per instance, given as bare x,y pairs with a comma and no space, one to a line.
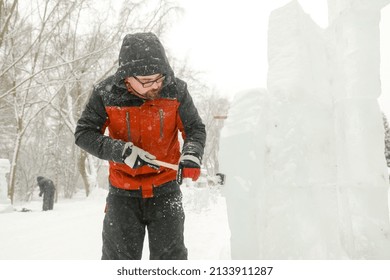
72,231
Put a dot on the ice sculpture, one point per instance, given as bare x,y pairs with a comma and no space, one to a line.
317,184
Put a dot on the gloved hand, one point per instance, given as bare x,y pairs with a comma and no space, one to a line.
189,167
136,157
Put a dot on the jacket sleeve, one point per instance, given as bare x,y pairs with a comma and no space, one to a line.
194,129
40,190
89,133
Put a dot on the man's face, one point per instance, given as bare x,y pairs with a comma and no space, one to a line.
147,87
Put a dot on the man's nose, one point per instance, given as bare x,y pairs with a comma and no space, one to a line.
155,85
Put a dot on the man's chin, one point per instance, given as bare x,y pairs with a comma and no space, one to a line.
149,95
152,94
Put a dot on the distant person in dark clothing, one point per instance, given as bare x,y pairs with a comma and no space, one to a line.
47,189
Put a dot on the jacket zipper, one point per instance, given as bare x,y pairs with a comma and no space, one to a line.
161,113
128,126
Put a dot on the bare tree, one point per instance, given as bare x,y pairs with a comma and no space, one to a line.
28,90
7,12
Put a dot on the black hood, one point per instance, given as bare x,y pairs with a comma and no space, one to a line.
142,54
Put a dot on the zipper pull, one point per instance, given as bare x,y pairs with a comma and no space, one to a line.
161,113
128,126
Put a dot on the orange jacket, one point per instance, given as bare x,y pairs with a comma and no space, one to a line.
152,125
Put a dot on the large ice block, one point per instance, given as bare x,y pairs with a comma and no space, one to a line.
309,180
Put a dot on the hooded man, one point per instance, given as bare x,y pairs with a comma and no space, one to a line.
47,189
144,107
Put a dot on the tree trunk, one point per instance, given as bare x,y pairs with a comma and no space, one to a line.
83,171
12,175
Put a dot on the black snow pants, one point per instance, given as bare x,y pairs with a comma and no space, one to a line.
48,199
127,216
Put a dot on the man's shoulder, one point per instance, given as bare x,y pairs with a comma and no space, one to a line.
105,85
176,89
180,84
108,91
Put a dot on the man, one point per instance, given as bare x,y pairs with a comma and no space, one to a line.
144,106
47,189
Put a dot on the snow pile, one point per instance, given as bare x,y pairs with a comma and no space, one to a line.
307,177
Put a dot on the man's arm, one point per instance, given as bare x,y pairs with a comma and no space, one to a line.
89,133
194,135
193,127
40,190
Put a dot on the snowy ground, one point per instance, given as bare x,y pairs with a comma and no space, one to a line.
72,231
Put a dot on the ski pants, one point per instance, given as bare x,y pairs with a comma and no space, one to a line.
48,200
127,218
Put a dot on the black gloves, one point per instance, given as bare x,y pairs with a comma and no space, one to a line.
189,167
136,157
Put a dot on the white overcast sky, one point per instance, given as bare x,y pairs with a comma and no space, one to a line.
228,39
237,59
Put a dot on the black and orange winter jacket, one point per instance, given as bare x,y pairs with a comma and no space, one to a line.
152,125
